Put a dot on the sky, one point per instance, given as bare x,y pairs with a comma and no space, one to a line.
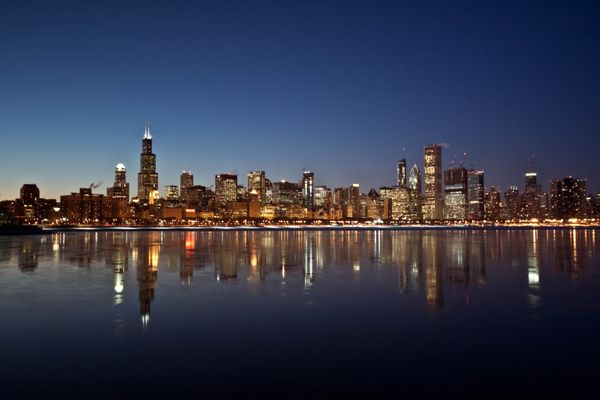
341,88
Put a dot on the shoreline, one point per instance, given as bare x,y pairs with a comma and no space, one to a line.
40,230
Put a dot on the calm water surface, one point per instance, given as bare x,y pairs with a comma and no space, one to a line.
301,313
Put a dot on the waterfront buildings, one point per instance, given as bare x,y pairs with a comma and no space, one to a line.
455,194
120,188
258,182
401,173
147,177
225,189
475,194
433,199
308,189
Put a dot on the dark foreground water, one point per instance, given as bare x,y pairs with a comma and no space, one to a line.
300,314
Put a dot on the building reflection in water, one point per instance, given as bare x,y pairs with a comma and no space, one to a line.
148,251
423,262
28,254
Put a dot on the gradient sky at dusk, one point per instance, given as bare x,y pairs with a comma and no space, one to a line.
339,88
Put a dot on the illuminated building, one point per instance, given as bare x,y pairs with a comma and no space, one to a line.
414,180
512,200
186,181
286,193
225,189
568,198
147,177
258,182
323,197
85,207
433,201
476,194
402,201
401,173
241,193
374,205
532,197
455,195
172,193
196,197
308,189
354,200
120,188
253,204
492,204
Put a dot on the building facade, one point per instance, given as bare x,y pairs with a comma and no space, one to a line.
147,177
433,198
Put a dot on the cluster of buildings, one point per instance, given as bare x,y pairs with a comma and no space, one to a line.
431,195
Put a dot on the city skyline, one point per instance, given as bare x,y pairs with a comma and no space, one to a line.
345,90
161,188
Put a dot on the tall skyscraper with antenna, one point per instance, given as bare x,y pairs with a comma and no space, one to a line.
147,177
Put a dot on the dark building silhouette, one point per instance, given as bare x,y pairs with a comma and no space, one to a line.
567,198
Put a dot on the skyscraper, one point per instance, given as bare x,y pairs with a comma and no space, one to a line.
414,180
455,196
476,194
120,187
433,201
225,189
401,173
567,198
257,182
308,189
354,199
147,177
186,181
532,197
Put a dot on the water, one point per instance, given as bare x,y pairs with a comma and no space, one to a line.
300,313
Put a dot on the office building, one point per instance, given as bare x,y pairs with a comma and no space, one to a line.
258,182
225,189
308,190
401,173
433,199
476,195
147,177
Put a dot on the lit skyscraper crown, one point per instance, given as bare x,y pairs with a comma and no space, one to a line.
147,133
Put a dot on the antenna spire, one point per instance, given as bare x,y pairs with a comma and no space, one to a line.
147,133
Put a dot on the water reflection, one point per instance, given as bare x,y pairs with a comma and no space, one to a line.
422,263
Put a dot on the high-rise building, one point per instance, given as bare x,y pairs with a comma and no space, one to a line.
414,180
186,181
476,195
29,194
492,204
532,197
414,202
120,187
512,201
354,199
455,195
225,189
374,205
401,173
433,201
253,204
308,189
323,197
147,177
568,198
172,193
258,182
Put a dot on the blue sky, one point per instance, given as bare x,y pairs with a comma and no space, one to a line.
340,88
